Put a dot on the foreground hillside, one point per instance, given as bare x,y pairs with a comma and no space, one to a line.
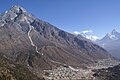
112,73
10,71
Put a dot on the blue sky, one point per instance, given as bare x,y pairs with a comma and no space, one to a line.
101,16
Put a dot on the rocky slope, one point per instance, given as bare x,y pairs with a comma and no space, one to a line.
11,71
111,73
34,43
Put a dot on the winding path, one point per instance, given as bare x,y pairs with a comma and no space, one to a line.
36,48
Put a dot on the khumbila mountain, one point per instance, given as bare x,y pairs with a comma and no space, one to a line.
38,45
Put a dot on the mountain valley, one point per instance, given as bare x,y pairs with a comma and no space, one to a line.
32,49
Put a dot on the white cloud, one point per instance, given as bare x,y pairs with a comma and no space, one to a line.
76,32
87,31
95,37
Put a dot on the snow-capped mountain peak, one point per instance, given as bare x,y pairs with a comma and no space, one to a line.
87,34
114,31
111,42
113,35
17,9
